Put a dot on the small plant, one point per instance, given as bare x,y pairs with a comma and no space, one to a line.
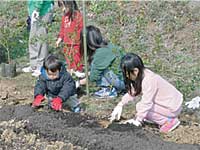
11,37
5,40
13,33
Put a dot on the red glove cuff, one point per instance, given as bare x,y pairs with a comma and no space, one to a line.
57,99
39,97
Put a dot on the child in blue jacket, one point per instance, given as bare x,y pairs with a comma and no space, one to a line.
57,84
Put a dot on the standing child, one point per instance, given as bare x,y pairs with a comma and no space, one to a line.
161,102
57,85
71,26
104,59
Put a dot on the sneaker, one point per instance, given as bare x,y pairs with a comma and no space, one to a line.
76,109
169,125
27,69
106,93
36,73
77,83
113,93
79,74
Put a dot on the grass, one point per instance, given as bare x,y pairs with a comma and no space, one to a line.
157,32
165,34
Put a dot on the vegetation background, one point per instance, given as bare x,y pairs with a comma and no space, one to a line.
165,34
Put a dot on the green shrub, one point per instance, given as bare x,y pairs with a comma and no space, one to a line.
14,35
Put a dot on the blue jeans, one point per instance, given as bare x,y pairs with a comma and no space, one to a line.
109,78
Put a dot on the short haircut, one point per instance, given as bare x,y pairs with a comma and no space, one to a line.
52,63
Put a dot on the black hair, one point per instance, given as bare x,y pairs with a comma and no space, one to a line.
128,63
52,63
71,4
94,40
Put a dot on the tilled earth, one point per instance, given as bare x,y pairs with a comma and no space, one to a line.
174,25
28,127
22,127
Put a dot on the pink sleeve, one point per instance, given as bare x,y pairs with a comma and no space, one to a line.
149,90
126,98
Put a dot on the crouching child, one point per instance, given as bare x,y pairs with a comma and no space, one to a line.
57,85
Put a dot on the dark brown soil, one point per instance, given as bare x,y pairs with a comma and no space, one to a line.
84,131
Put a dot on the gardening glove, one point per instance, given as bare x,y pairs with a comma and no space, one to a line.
194,103
56,103
116,114
37,101
34,16
133,121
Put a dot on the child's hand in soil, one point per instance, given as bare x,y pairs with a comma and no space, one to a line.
56,103
116,114
133,121
37,101
194,103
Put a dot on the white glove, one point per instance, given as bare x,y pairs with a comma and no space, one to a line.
79,74
34,16
133,121
194,103
116,114
77,84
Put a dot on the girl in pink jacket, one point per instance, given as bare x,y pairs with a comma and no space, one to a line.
160,103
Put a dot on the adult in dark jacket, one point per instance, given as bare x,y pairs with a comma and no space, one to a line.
57,84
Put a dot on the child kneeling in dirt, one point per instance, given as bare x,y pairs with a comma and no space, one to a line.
104,59
58,86
160,103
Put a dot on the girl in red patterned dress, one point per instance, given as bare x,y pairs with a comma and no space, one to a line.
71,26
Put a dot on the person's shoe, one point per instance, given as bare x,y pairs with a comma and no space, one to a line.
102,93
36,73
169,125
106,93
76,109
79,74
27,69
77,83
113,93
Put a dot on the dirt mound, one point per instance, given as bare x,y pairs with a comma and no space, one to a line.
85,131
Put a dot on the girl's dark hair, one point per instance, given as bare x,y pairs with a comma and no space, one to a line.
52,63
71,4
94,40
128,63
